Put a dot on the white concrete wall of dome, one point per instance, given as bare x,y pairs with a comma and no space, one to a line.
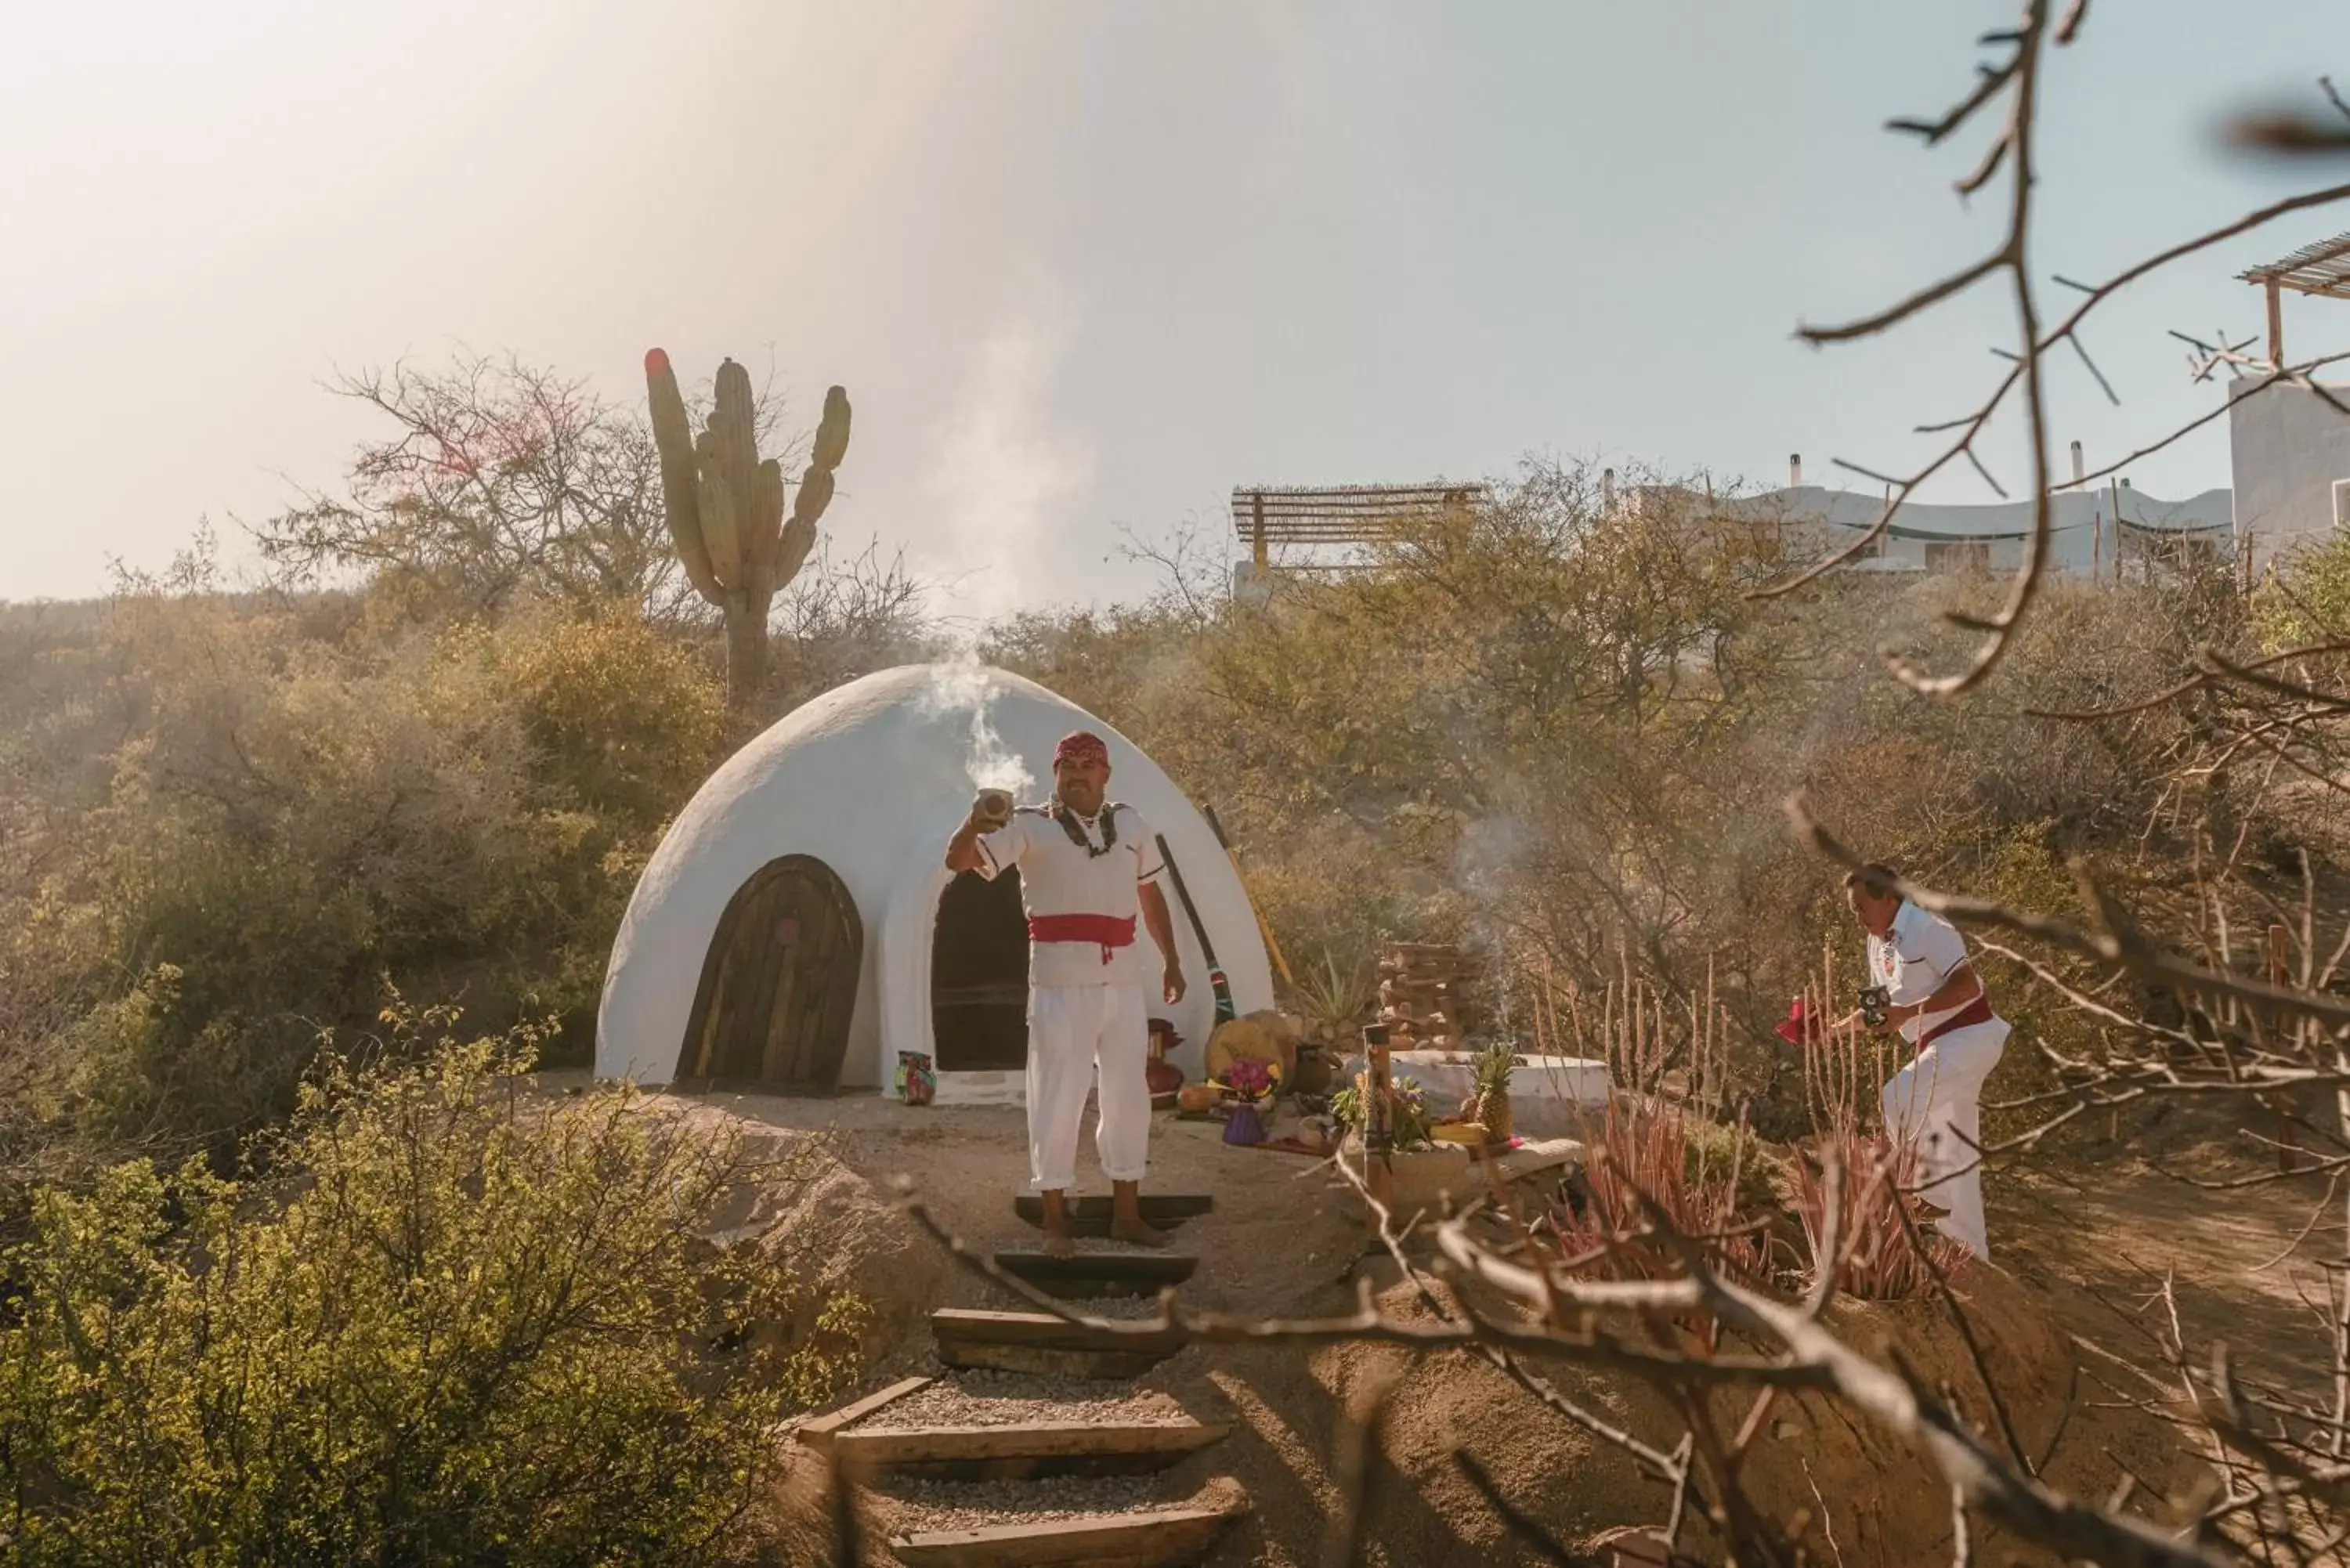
871,778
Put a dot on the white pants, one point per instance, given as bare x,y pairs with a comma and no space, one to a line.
1073,1030
1935,1105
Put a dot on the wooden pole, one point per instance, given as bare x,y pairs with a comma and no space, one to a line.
2276,326
1379,1127
2280,943
1256,534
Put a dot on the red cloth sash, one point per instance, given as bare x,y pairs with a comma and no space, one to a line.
1973,1013
1111,931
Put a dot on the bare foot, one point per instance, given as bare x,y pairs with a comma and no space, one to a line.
1136,1232
1057,1244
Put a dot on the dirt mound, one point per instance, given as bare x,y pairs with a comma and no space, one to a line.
1274,1244
1881,1503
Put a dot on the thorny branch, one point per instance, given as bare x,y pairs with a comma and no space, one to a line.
1805,1354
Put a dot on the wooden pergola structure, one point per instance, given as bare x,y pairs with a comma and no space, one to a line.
1266,516
2322,268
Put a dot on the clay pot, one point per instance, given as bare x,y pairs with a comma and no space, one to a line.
1313,1073
1165,1077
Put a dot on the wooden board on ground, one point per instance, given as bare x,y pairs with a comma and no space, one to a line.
1099,1273
1039,1447
1154,1538
1044,1329
1043,1344
817,1433
1089,1216
1101,1366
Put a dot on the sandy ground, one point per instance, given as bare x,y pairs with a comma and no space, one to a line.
2102,1241
1273,1232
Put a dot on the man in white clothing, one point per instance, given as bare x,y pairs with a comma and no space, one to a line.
1086,864
1931,992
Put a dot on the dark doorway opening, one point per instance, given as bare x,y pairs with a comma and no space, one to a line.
979,975
779,983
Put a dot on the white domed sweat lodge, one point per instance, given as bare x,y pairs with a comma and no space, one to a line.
797,930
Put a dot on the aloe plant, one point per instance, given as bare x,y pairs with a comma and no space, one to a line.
725,506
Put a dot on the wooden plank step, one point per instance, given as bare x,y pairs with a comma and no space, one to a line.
1045,1332
1038,1447
1101,1365
1045,1346
1089,1216
1156,1538
818,1433
1099,1273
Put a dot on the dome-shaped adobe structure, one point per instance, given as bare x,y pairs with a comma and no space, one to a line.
797,928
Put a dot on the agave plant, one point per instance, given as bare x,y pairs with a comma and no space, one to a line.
1332,997
1879,1258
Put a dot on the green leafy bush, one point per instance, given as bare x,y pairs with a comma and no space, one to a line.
293,820
451,1326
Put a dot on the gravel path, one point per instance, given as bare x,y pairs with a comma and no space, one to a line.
917,1505
984,1399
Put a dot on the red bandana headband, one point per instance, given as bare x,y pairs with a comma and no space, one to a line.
1081,747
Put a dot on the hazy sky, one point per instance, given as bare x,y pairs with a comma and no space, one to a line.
1080,263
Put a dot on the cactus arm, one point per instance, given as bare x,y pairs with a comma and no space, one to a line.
681,482
791,550
815,492
719,535
832,431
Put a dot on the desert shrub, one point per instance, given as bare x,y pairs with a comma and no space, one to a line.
291,821
446,1326
621,720
1716,1152
1563,733
2306,597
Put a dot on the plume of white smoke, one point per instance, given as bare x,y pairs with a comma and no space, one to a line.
1010,482
963,685
1484,869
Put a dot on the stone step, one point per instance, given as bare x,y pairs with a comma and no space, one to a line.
1152,1538
1032,1449
1046,1345
1089,1216
1099,1273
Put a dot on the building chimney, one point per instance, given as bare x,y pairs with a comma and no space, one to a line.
2077,469
1794,471
1607,490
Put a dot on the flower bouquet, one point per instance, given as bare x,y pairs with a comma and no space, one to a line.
1248,1080
1248,1084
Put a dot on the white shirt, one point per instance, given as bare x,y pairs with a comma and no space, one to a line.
1058,878
1914,960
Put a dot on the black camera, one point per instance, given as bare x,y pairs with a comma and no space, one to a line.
1874,1000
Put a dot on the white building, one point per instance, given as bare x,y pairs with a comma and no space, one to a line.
2095,532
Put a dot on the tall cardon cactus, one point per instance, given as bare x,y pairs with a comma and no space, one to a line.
726,506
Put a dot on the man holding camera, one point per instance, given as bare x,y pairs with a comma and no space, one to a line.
1084,866
1920,981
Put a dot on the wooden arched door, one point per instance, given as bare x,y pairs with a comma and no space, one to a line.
779,983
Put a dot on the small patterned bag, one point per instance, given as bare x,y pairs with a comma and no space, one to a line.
917,1083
